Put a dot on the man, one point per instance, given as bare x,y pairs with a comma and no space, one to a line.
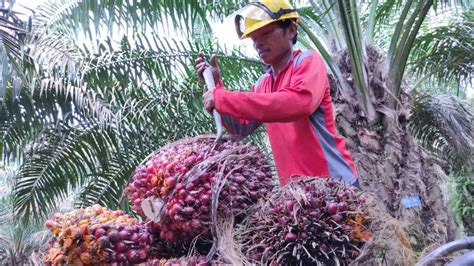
292,98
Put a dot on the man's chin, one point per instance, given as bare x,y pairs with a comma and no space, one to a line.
265,60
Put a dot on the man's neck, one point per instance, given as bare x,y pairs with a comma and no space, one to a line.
277,67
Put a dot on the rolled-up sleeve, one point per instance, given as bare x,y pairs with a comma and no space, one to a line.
301,98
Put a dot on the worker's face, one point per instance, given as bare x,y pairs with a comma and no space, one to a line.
272,42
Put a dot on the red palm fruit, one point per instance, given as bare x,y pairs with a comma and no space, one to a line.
133,256
113,236
120,247
124,234
171,182
103,242
332,208
342,206
290,237
49,224
100,232
121,257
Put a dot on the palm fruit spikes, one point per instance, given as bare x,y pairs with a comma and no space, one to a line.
97,235
197,180
308,222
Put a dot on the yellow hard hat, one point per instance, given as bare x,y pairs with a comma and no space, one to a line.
256,15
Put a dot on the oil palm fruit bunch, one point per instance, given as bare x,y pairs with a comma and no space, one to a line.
185,260
310,221
198,179
160,173
97,235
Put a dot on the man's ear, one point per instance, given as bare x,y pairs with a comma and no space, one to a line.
293,29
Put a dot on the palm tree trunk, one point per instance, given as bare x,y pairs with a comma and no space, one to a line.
390,163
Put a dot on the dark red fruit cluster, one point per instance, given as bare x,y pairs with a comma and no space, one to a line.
188,261
309,222
160,174
188,176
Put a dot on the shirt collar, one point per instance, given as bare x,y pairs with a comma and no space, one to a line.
268,68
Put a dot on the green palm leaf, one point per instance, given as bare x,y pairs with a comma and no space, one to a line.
409,16
18,240
56,54
87,15
12,36
447,53
350,21
59,162
444,126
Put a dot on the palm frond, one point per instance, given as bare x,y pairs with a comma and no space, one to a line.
24,116
350,21
446,53
444,4
386,9
220,10
402,41
59,161
323,19
106,187
150,57
11,54
371,21
104,190
88,15
84,99
18,239
56,54
444,126
410,17
334,68
390,8
59,25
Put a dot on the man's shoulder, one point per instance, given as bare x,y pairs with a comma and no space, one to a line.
301,55
313,56
260,80
306,51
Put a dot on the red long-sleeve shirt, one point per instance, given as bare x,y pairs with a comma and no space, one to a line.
296,110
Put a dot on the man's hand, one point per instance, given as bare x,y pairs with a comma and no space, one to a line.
201,65
208,100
